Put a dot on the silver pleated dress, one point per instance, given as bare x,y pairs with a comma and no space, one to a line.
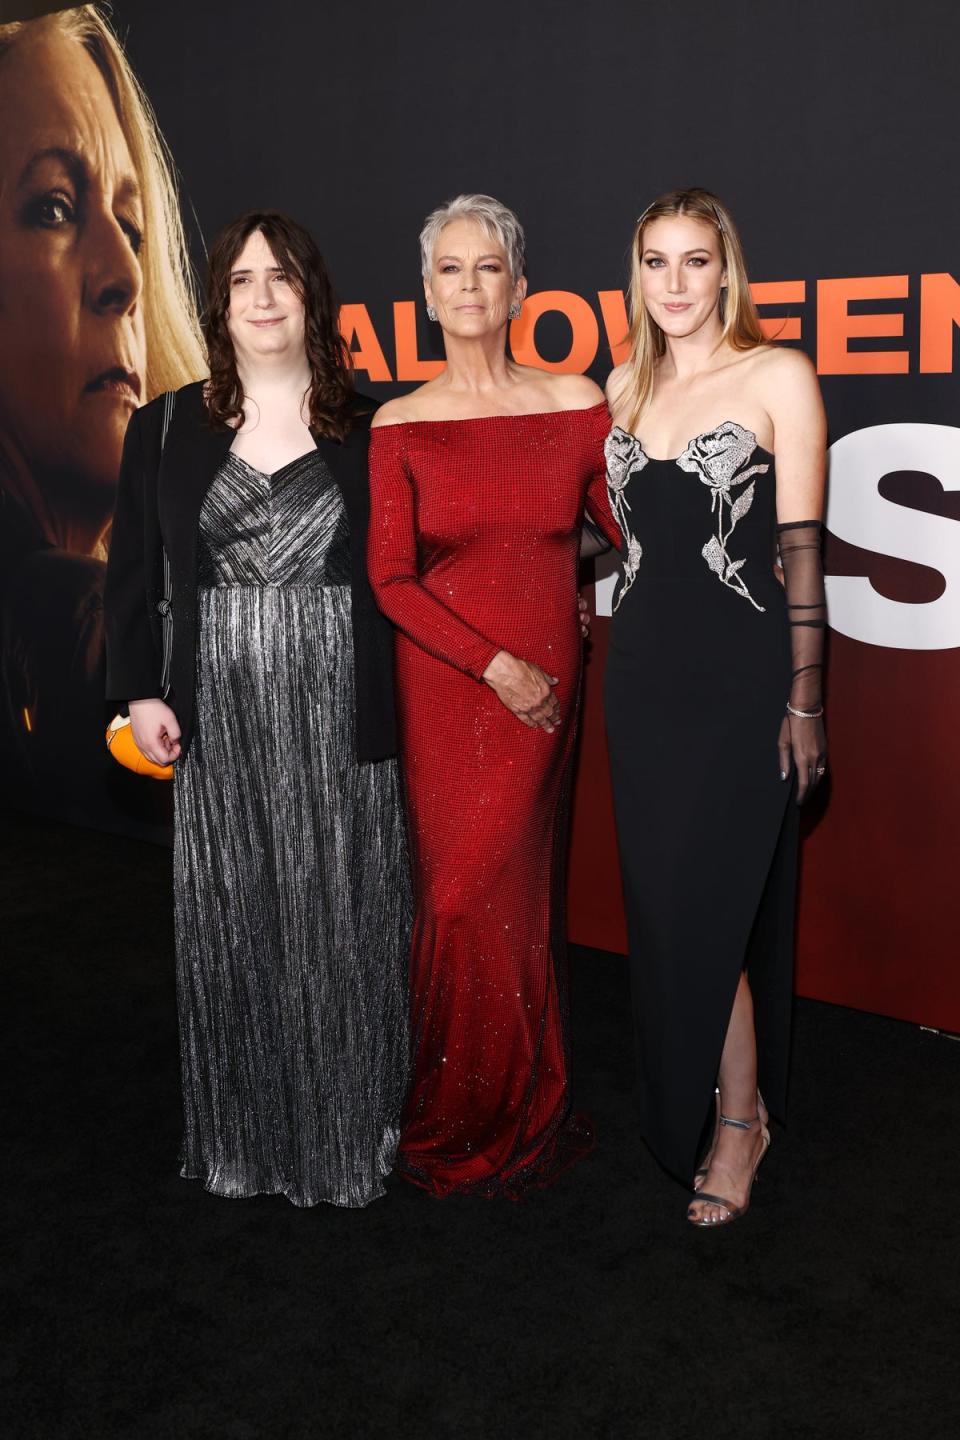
292,901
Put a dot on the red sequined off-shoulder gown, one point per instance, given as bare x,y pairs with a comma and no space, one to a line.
474,537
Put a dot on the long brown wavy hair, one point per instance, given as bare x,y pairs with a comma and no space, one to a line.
295,251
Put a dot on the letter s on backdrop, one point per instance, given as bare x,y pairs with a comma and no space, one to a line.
859,514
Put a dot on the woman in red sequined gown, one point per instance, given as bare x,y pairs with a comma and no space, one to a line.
478,486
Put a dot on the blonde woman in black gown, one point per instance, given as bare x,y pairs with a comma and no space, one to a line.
713,690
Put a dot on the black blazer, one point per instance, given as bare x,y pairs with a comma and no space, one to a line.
158,504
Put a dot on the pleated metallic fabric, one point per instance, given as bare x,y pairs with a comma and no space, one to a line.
292,899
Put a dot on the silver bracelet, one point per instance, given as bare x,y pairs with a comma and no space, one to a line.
804,714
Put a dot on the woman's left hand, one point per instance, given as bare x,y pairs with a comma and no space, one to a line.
526,690
803,744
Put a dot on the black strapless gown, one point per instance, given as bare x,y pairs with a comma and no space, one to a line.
697,679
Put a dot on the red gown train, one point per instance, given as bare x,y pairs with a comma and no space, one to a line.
474,536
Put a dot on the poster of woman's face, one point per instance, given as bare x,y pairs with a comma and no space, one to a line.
72,341
96,317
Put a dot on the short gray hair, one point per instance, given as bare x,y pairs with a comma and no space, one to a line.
496,219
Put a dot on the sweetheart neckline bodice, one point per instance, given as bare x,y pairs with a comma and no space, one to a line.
703,435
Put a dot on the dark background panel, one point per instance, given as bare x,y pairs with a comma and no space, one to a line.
828,129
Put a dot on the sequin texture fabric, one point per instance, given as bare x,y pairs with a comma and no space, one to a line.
292,902
473,549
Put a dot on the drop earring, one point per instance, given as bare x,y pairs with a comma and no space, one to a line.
431,313
514,312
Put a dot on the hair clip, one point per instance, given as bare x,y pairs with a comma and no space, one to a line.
716,214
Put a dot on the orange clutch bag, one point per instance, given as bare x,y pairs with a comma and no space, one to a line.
120,741
125,751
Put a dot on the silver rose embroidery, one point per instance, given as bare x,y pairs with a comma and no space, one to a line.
625,458
718,458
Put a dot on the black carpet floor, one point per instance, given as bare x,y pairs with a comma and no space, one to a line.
135,1305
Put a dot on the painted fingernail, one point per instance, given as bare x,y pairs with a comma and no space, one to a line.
783,774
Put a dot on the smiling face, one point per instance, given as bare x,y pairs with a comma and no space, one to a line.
470,285
72,347
266,315
682,273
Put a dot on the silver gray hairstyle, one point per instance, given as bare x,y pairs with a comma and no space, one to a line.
496,219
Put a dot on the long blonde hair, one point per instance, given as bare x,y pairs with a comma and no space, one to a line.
175,349
741,325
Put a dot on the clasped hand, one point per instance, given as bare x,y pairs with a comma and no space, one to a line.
156,730
525,689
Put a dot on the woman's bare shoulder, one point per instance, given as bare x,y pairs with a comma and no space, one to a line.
782,365
405,409
392,413
786,382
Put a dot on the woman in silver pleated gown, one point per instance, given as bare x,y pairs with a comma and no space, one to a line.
292,902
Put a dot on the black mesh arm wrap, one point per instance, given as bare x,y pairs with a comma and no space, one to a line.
592,540
799,543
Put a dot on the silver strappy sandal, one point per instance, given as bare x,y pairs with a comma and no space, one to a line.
732,1212
700,1174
